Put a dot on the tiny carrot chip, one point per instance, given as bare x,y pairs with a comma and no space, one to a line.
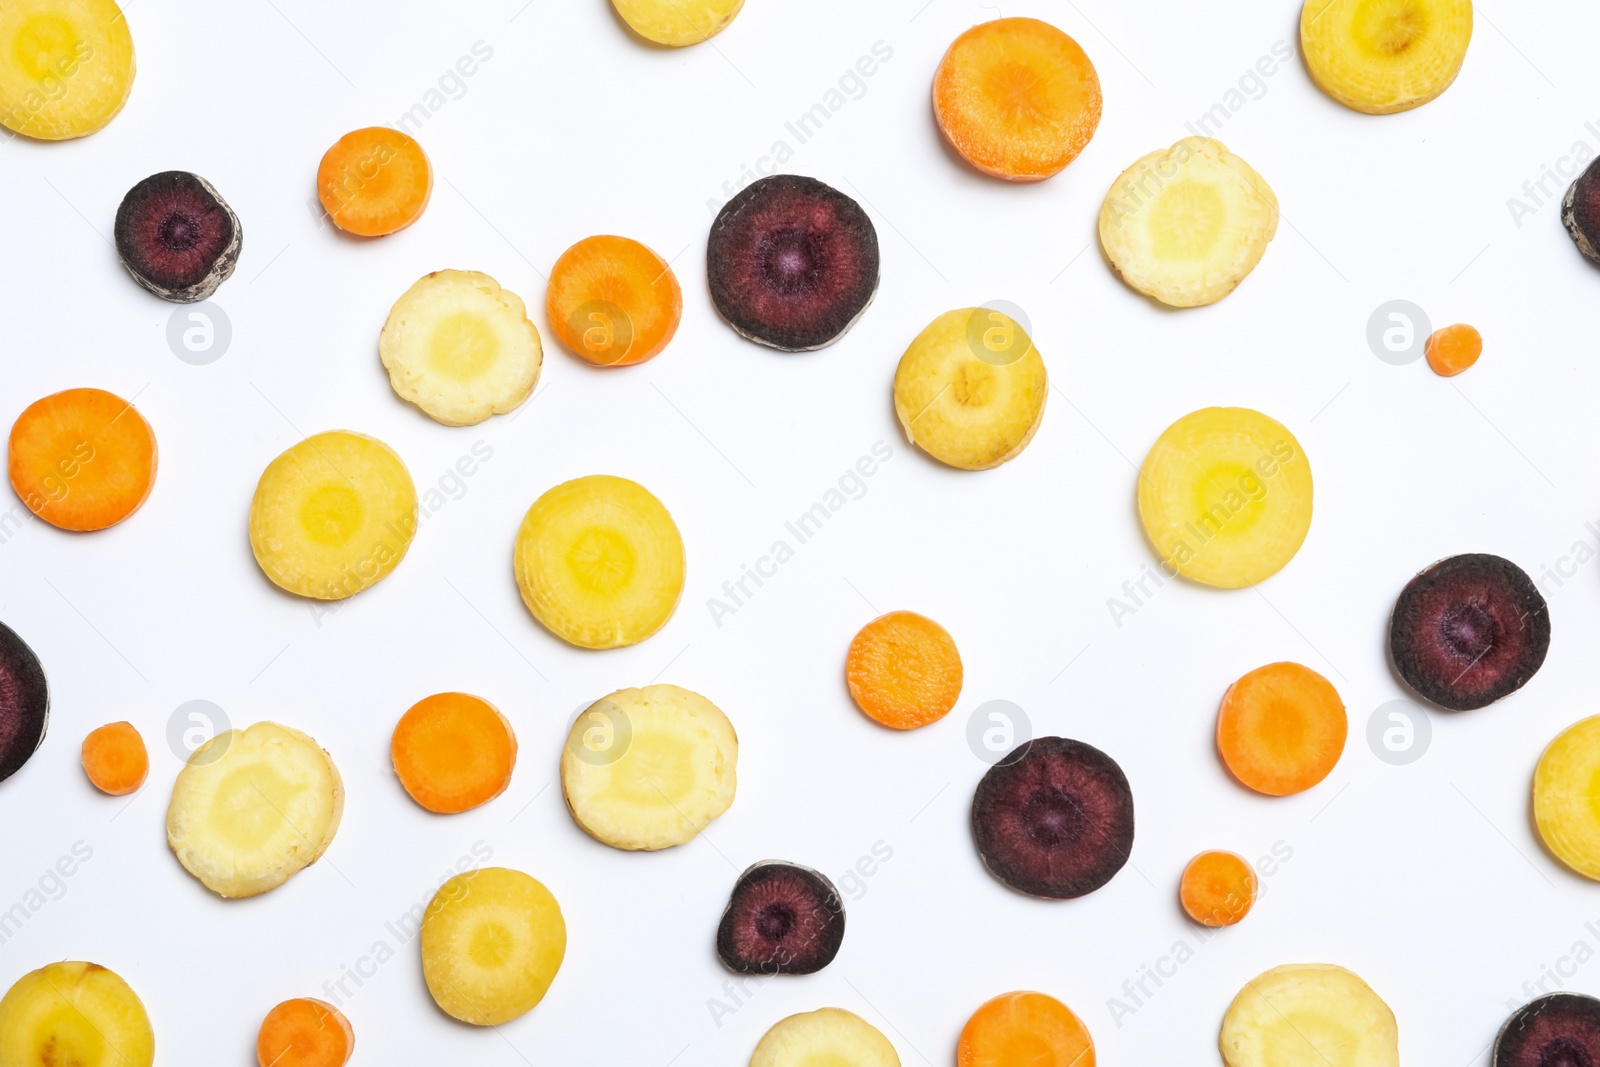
115,759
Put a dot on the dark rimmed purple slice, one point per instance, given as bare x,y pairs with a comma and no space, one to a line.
792,263
24,702
1468,631
1054,819
1580,212
782,918
1559,1030
177,236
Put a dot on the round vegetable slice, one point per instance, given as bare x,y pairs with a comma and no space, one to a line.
74,1014
66,66
82,459
1566,800
1282,729
333,515
600,562
374,181
305,1033
1218,888
903,670
1557,1030
177,237
24,702
115,759
782,918
453,752
1309,1015
677,23
827,1037
1225,496
613,302
1384,56
492,942
1017,98
1030,1029
647,769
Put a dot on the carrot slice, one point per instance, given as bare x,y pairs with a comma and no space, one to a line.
453,752
1281,729
375,181
1024,1028
305,1033
1217,888
904,670
1453,349
1017,98
115,759
82,459
613,301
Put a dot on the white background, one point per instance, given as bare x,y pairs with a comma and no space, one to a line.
1427,880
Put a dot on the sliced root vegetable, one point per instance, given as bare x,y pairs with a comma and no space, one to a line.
1054,819
453,752
1282,729
600,562
970,390
903,670
1017,98
74,1015
1580,212
1025,1028
492,942
1566,803
649,768
305,1033
1218,888
792,263
374,181
1383,56
781,919
461,348
1469,631
24,702
1453,349
82,459
677,23
613,302
177,236
252,808
1186,225
333,515
1309,1015
1225,496
1556,1030
66,66
827,1037
115,759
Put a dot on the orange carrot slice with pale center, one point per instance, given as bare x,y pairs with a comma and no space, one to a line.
613,301
82,459
1217,888
1281,729
115,759
305,1033
375,181
1015,1029
453,752
904,670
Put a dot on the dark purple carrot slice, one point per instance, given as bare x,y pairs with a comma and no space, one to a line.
177,236
24,702
781,919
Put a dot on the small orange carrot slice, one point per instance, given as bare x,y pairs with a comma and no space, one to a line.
1024,1028
904,670
115,759
1217,888
1281,729
305,1033
613,301
82,459
1017,98
374,181
1453,349
453,752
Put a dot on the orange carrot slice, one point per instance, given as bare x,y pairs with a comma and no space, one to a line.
115,759
1017,98
453,752
1281,729
904,670
82,459
374,181
305,1033
613,301
1217,888
1453,349
1024,1028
